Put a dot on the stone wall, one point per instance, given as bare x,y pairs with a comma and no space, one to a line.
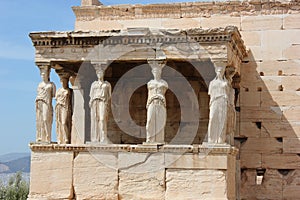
270,107
268,132
115,172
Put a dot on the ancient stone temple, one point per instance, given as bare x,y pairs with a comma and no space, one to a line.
170,101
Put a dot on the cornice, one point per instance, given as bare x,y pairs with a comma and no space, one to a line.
114,148
186,10
139,36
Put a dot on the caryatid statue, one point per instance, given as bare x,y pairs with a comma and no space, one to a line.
100,100
44,109
156,104
63,111
219,90
231,114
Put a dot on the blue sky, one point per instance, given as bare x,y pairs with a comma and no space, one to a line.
19,76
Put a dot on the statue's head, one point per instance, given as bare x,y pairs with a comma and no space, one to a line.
220,71
230,72
156,71
44,76
64,82
157,65
100,73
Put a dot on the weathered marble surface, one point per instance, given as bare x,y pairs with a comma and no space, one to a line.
44,109
51,175
100,98
267,115
218,107
156,105
63,112
131,172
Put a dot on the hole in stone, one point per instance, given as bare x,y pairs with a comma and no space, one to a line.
246,89
258,125
245,61
260,172
279,139
259,89
284,172
280,73
261,73
241,140
238,109
298,89
260,176
280,88
243,170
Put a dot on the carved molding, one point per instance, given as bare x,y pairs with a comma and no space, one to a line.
198,149
145,37
186,10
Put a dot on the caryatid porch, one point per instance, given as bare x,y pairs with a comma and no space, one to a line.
190,58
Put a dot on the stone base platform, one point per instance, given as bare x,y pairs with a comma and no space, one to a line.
132,172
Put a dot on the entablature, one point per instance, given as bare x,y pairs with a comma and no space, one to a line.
77,45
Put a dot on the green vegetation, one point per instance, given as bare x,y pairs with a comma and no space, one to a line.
16,189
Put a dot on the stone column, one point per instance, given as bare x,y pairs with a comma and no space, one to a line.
231,114
44,67
222,109
44,109
63,109
78,117
100,102
156,104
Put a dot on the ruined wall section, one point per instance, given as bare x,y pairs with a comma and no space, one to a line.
91,17
270,107
268,131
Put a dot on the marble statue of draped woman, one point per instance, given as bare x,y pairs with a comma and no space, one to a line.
100,96
44,109
63,111
156,108
219,89
231,114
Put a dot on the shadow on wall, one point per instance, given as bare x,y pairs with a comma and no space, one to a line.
88,73
266,137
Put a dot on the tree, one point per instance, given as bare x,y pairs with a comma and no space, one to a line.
2,190
17,188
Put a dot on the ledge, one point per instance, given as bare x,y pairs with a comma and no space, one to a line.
133,36
185,10
139,36
195,149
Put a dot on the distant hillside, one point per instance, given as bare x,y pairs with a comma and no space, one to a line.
12,156
3,168
15,163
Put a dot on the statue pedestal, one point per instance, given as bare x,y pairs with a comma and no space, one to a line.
153,144
132,172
